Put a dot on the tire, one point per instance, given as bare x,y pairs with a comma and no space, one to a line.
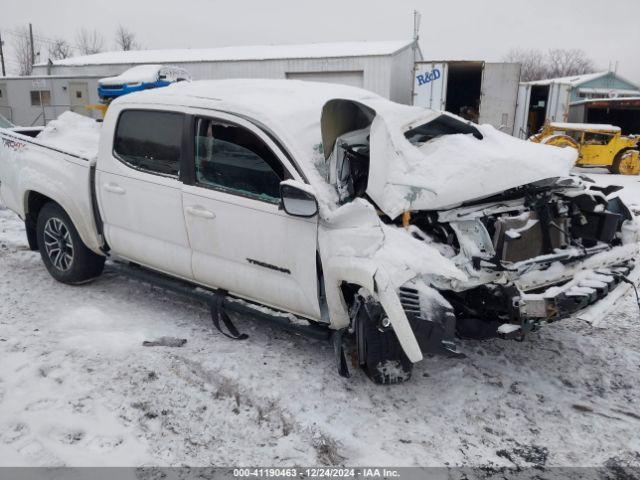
379,352
617,161
66,257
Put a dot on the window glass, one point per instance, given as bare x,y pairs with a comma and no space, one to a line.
233,158
597,138
38,95
150,140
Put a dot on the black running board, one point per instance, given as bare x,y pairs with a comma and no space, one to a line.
231,303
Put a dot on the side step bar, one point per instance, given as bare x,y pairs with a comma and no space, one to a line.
207,296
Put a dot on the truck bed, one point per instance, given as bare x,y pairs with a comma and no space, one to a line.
57,164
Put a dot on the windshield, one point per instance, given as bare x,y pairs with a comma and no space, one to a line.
4,123
443,125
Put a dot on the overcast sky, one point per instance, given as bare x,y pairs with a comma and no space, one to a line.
608,31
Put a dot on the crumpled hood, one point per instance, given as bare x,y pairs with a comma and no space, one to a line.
453,169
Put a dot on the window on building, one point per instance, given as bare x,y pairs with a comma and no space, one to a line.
150,141
40,97
234,159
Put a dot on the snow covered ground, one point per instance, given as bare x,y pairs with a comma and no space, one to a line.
78,388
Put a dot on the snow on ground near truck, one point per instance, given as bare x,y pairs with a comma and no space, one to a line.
78,388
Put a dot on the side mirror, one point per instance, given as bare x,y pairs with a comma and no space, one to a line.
298,199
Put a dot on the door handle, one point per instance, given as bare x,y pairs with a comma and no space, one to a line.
200,212
114,188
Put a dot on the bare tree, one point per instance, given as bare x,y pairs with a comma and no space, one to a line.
89,42
22,51
566,63
537,65
532,61
60,49
126,39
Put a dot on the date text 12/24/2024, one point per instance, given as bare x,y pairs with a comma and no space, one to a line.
316,472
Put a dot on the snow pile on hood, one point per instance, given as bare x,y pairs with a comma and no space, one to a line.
452,169
72,133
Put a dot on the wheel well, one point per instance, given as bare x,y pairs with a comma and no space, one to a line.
35,202
622,151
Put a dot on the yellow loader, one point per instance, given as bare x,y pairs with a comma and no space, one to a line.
597,145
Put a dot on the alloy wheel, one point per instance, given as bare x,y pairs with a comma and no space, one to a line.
58,244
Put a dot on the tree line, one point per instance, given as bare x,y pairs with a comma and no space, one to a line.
86,42
554,63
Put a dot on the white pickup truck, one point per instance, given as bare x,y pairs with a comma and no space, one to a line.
397,228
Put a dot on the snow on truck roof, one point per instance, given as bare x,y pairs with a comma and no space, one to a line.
290,107
247,52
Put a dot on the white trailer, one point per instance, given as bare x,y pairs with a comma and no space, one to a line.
539,103
484,92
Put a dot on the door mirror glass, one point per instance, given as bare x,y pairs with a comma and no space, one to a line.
297,201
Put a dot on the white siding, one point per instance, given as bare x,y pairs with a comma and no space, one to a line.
352,79
21,112
388,75
401,75
377,70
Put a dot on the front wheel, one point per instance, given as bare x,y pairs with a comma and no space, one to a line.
626,162
66,257
379,352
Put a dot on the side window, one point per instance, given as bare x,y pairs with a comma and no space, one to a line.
591,138
150,141
232,158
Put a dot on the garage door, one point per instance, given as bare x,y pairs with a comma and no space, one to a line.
354,79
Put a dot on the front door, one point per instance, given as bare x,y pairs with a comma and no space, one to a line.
140,192
241,240
79,97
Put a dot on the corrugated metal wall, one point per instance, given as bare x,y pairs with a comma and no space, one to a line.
377,70
401,76
388,75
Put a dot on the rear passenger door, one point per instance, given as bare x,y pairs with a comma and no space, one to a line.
241,240
140,192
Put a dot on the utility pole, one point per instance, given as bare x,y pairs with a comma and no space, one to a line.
4,72
33,53
416,32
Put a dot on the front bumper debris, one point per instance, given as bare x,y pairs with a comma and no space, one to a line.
532,310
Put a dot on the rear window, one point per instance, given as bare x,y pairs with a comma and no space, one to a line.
150,141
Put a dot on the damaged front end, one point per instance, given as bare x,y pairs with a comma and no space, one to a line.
476,234
532,255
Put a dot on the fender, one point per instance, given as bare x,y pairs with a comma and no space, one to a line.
366,274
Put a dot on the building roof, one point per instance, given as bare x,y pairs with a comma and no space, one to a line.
574,81
578,80
249,52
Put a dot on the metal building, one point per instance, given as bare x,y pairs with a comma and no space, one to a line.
564,99
383,67
35,100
